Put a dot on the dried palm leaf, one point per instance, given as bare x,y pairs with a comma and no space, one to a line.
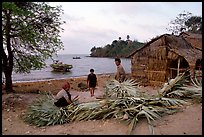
149,112
196,82
126,88
171,83
132,125
172,101
193,91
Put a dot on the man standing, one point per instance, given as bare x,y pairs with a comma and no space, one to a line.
120,74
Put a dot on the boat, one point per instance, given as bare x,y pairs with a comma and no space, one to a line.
61,67
77,57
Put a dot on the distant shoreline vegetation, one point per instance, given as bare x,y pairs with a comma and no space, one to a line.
118,48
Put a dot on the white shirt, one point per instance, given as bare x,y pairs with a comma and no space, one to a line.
61,93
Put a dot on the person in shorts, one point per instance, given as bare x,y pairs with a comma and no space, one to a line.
92,82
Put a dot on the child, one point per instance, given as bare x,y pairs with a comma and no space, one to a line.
92,81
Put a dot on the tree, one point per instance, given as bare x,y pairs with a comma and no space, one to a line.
115,49
93,49
30,33
194,24
178,25
128,37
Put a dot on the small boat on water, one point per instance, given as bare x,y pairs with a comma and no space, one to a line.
77,57
61,67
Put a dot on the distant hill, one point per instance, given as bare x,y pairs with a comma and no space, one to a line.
118,48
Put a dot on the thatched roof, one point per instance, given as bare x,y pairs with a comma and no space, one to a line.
191,35
178,45
194,39
145,45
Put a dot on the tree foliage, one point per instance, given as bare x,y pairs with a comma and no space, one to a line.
119,48
194,24
30,32
185,22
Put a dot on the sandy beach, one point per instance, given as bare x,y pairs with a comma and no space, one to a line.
55,85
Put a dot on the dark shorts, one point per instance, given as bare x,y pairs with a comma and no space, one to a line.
62,102
92,85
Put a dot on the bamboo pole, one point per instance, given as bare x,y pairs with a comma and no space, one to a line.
178,66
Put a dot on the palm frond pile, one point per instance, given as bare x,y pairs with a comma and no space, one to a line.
181,88
43,112
122,101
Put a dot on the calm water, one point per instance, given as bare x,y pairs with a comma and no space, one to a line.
81,67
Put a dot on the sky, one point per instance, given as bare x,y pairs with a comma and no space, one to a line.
90,24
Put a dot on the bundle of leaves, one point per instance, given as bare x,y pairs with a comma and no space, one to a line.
182,88
43,112
129,103
122,101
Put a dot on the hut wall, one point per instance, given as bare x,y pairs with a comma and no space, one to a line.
138,68
150,63
156,71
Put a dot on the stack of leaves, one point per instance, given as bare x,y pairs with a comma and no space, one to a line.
122,101
180,87
43,112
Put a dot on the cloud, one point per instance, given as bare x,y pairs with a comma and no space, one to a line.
80,39
72,18
97,24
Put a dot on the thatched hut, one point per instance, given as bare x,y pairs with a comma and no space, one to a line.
163,58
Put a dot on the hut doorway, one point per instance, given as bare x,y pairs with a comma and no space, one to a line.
198,65
198,68
177,66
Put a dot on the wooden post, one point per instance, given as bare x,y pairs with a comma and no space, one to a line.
178,66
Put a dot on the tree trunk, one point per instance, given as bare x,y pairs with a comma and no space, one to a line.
9,87
7,69
8,59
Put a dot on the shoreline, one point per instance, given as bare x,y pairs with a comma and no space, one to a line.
54,85
39,80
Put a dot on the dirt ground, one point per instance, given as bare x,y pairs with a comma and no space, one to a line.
186,122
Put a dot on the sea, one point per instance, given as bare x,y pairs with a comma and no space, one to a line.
81,67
